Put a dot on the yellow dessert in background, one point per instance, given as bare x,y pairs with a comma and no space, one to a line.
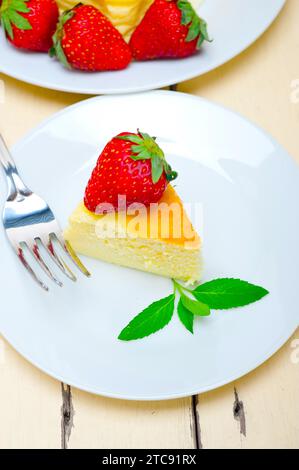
117,239
125,15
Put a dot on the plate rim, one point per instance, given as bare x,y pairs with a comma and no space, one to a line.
166,397
275,347
143,88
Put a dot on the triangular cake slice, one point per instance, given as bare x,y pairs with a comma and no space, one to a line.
126,242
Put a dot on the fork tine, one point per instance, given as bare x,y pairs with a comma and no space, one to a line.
71,253
20,254
48,245
34,250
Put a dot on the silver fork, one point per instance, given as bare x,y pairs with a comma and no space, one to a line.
31,226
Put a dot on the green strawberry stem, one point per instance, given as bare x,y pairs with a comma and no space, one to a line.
10,15
198,27
146,148
57,50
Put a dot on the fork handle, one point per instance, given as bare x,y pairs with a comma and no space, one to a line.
15,183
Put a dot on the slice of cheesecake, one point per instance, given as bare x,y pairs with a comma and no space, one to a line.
161,241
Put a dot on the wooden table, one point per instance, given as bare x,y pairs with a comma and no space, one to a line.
260,410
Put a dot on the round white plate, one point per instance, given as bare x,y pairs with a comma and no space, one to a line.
233,24
248,191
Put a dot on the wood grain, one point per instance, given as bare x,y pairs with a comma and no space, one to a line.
29,404
117,423
259,410
270,407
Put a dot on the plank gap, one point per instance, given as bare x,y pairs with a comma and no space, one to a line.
196,422
67,415
239,413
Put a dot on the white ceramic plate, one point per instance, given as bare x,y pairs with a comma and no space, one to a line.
248,188
233,24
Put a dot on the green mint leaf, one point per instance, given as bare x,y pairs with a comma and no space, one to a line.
226,293
196,307
186,317
149,321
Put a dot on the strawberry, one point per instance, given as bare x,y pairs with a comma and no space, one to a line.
30,24
86,40
169,29
131,165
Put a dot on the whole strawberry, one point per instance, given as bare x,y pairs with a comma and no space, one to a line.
30,24
169,29
131,165
86,40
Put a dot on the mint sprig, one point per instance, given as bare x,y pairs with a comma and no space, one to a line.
195,307
219,294
222,294
155,317
198,27
146,148
10,15
186,317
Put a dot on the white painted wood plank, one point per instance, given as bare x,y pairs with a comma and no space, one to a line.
29,404
270,399
131,425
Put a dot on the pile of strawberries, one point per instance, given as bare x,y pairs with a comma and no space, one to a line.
83,38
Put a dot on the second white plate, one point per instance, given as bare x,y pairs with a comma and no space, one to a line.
233,24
